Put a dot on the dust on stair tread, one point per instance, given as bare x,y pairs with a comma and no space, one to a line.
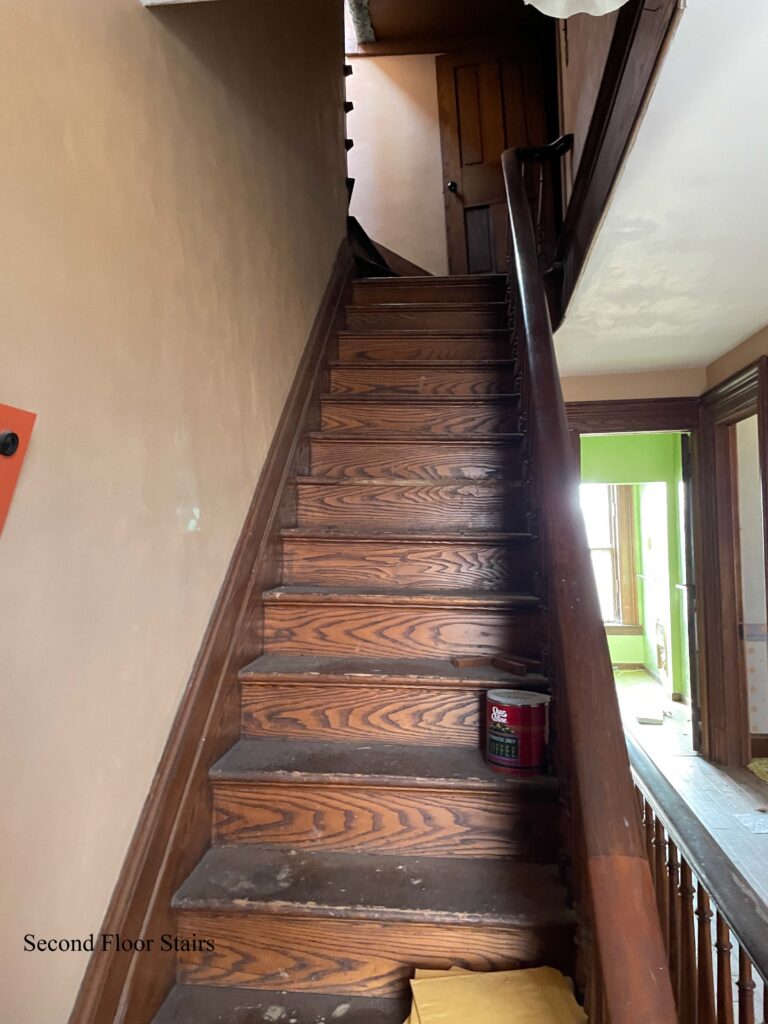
208,1004
381,595
493,891
379,764
427,671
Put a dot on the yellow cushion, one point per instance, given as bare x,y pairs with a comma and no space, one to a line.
539,995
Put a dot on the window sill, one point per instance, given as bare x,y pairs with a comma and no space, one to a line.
622,629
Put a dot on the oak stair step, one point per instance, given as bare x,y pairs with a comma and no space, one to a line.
356,701
430,315
424,505
478,560
207,1004
379,798
383,765
465,416
351,923
462,289
416,672
400,623
454,378
415,456
371,347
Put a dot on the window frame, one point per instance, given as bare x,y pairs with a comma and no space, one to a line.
623,560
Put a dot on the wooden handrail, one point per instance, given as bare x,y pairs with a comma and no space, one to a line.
630,946
736,900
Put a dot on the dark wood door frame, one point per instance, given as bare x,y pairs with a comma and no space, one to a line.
726,731
655,415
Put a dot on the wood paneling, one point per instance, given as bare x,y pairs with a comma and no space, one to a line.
174,827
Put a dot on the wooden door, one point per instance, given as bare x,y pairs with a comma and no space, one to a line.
487,104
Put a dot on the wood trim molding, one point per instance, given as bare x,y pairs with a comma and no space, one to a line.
633,414
174,827
760,744
735,398
639,41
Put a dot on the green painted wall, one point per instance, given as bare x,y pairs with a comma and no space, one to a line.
641,459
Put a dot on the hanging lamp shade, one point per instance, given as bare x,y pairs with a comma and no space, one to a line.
565,8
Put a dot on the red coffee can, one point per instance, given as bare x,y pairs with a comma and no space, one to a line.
517,727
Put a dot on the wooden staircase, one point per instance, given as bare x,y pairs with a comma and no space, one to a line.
356,830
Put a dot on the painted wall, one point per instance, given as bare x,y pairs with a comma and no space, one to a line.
641,459
396,162
752,552
172,201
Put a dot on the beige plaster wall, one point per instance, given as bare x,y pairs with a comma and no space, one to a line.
741,355
653,384
172,201
396,163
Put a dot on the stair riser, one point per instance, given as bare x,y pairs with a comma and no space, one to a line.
439,566
388,631
443,419
417,507
437,348
373,318
379,819
357,713
428,291
403,381
349,956
423,460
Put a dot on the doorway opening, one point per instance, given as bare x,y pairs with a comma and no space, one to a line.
634,498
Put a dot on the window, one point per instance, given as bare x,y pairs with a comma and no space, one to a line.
609,516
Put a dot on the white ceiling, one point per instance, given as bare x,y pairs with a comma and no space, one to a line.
679,272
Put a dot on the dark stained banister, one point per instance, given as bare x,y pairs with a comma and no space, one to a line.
611,879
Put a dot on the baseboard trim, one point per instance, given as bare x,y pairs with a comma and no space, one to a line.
175,824
759,744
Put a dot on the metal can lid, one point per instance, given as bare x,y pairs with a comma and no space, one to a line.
518,698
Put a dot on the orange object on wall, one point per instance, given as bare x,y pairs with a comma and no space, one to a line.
19,422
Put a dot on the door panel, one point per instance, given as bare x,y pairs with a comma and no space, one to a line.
487,104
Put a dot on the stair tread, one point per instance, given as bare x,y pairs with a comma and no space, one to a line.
209,1004
412,595
483,306
405,482
401,437
278,667
493,891
405,537
417,364
439,279
392,333
375,764
368,397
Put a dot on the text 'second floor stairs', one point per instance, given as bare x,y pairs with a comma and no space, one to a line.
356,831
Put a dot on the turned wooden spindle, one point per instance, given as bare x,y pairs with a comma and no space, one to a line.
686,991
649,830
746,988
673,912
659,846
706,984
724,979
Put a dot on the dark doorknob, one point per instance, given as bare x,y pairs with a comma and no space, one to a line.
9,442
452,186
